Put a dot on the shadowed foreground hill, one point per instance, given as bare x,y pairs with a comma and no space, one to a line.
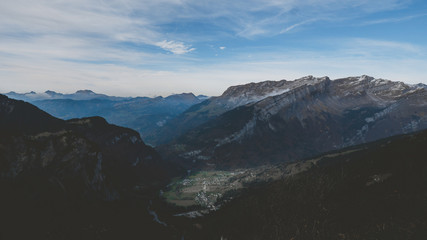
372,191
89,150
76,179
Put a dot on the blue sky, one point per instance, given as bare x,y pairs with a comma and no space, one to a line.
147,47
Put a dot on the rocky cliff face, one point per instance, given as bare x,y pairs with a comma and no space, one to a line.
86,158
307,117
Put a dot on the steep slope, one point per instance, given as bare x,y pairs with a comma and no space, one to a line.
314,116
372,191
142,114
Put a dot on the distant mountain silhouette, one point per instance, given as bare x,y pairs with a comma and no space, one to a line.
50,95
142,114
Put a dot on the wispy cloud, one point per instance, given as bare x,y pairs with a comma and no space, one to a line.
132,46
392,20
143,21
175,47
297,25
374,46
254,23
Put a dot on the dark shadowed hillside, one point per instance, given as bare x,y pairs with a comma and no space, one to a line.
72,179
373,191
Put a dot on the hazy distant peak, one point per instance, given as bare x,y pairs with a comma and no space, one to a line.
190,94
51,95
202,97
50,92
86,91
183,97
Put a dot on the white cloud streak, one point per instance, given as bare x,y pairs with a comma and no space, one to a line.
375,46
175,47
297,25
392,20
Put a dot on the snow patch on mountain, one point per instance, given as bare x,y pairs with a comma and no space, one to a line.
246,99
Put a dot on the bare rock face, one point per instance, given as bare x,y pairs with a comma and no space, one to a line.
84,158
306,117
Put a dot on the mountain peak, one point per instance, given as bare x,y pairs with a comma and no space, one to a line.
311,78
182,96
366,78
49,92
86,91
190,94
308,77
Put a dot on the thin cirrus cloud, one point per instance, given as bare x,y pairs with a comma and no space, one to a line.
376,46
393,20
298,25
118,44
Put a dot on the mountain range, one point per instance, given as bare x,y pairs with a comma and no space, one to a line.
270,122
142,114
312,158
49,95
